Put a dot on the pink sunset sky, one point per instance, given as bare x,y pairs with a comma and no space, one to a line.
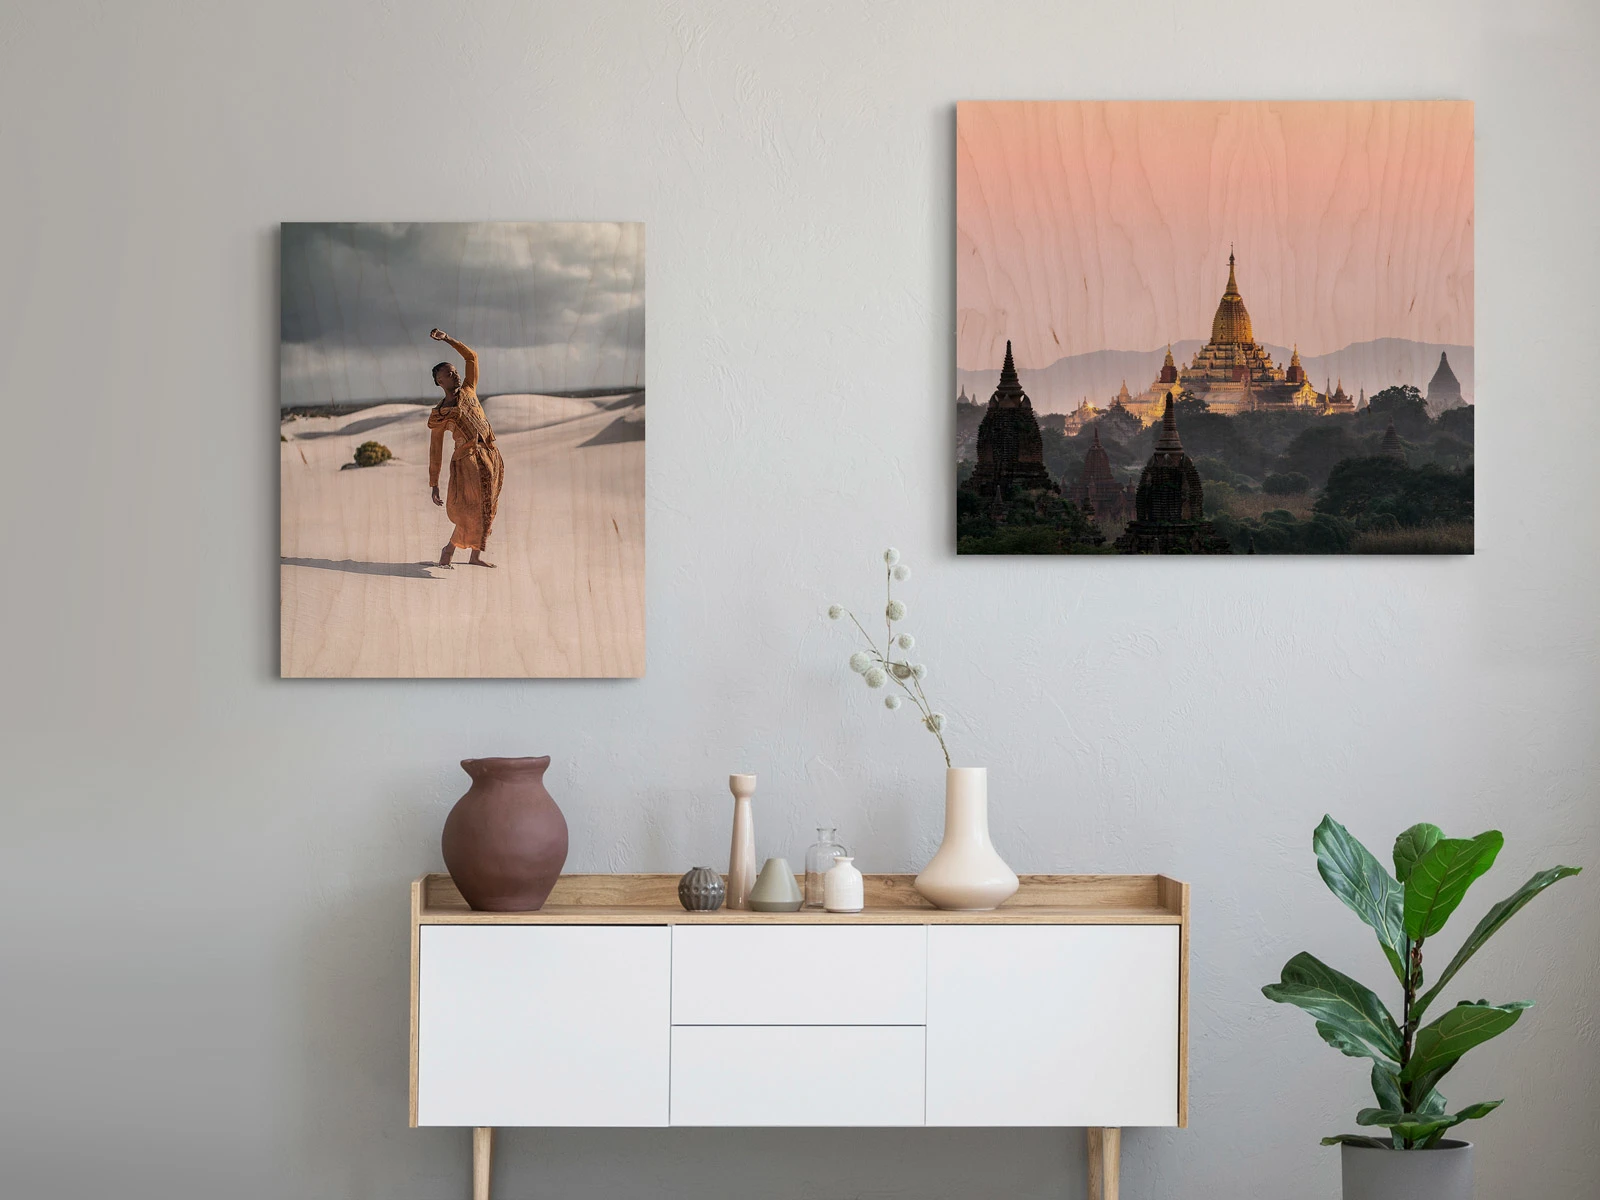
1086,226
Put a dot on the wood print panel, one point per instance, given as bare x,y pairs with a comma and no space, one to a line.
1296,278
549,488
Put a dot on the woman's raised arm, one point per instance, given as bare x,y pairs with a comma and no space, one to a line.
470,379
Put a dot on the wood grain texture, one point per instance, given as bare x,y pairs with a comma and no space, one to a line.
482,1163
1105,1163
565,599
540,305
417,893
1175,896
1087,226
890,899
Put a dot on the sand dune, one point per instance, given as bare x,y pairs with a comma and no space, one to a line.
359,597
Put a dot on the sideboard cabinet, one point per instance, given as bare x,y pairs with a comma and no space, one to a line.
613,1007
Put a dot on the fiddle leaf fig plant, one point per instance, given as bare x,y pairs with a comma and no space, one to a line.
1431,876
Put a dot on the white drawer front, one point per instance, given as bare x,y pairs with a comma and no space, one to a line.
543,1025
797,1075
1053,1025
799,975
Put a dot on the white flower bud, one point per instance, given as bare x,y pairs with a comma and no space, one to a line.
902,572
901,670
934,722
876,678
891,556
920,672
895,611
860,661
891,702
835,611
905,641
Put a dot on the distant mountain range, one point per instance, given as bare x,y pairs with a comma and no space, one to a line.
1370,365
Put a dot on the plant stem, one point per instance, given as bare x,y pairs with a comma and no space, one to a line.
888,598
1408,1029
885,659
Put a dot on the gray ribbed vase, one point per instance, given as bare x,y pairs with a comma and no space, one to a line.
701,890
1443,1173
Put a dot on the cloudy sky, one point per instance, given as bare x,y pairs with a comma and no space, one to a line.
547,306
1106,226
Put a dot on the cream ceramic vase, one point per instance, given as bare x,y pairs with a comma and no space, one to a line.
843,889
742,852
967,874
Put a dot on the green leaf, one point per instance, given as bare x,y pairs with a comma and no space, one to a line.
1355,1139
1439,1045
1425,1127
1492,920
1350,1008
1410,1127
1343,1042
1441,878
1470,1113
1412,845
1353,875
1386,1087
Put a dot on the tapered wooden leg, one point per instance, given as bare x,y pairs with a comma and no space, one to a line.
1105,1163
482,1162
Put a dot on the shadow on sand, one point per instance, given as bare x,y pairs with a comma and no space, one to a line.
364,425
620,430
417,570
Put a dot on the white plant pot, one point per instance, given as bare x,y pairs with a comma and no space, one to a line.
1443,1173
967,874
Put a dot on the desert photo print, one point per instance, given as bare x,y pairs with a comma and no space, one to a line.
1214,328
461,450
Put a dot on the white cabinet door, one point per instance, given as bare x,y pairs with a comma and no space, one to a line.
543,1025
827,1075
1069,1025
799,974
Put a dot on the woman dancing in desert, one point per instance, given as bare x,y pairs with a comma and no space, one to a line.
476,468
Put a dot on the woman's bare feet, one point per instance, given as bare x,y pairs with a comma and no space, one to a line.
477,560
446,555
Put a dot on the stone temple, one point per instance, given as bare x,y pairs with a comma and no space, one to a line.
1444,389
1392,446
1098,493
1010,448
1232,373
1169,505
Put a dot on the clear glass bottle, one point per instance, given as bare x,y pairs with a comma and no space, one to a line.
819,861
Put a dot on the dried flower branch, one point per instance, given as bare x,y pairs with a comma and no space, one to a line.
880,667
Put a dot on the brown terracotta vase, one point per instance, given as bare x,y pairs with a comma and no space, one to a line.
505,841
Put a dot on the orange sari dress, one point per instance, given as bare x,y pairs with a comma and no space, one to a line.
476,468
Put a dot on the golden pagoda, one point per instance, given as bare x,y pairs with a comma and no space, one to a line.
1336,401
1231,372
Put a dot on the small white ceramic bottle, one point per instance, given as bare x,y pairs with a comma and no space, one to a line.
842,889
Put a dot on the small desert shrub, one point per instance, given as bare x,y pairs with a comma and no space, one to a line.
1291,483
370,454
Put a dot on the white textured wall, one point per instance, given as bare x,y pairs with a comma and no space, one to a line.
203,987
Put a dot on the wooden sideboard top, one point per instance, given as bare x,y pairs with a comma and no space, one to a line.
891,900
